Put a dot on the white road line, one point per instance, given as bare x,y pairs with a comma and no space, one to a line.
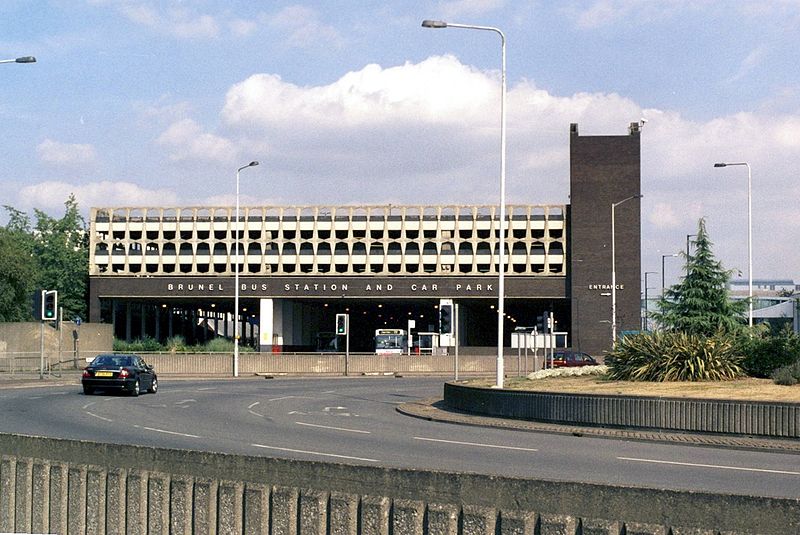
335,428
315,453
254,413
253,404
99,417
721,467
181,402
476,444
282,398
167,432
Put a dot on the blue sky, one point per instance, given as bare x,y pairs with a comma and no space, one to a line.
153,103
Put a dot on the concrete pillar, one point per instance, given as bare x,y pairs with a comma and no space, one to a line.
40,497
267,320
256,510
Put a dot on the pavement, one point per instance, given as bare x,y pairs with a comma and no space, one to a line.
435,410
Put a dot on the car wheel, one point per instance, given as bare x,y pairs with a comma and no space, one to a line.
135,391
153,385
88,390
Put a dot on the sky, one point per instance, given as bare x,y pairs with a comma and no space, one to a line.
158,102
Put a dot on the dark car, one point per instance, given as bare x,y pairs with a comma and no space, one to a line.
127,373
567,358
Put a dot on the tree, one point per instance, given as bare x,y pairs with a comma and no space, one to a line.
700,304
61,247
18,268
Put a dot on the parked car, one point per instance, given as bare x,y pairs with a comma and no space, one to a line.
566,358
127,373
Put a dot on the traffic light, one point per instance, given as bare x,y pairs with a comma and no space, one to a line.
341,323
49,305
445,319
541,322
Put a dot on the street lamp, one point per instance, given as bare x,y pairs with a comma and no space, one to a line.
688,237
23,59
749,235
502,262
663,257
646,273
236,278
614,268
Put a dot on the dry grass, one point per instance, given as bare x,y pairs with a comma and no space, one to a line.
740,389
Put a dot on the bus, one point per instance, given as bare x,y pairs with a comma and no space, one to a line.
391,341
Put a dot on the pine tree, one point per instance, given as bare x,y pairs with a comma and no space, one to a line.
700,304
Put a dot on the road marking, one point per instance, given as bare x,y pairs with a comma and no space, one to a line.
167,432
476,444
181,402
98,416
721,467
335,428
316,453
253,404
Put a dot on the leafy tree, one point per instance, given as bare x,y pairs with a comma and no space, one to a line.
18,268
53,256
700,304
61,247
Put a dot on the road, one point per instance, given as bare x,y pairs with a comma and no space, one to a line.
354,420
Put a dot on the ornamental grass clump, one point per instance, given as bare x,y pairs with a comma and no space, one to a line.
674,356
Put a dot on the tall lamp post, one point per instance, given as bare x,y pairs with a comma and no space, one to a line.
664,257
614,268
646,318
502,262
23,59
236,278
688,238
749,236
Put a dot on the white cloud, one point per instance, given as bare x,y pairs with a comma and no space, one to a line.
304,28
428,133
469,8
66,154
186,140
179,22
49,196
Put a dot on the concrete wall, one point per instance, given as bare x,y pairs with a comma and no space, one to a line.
73,487
20,343
756,418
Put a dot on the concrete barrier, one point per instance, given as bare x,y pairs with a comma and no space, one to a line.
70,487
752,418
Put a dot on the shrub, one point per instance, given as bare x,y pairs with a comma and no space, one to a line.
787,375
137,346
765,354
176,344
674,356
220,345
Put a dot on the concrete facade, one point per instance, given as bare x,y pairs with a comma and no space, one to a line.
63,486
159,271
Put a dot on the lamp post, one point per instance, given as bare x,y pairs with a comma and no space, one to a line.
23,59
502,262
663,257
646,273
614,268
749,236
236,278
688,237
